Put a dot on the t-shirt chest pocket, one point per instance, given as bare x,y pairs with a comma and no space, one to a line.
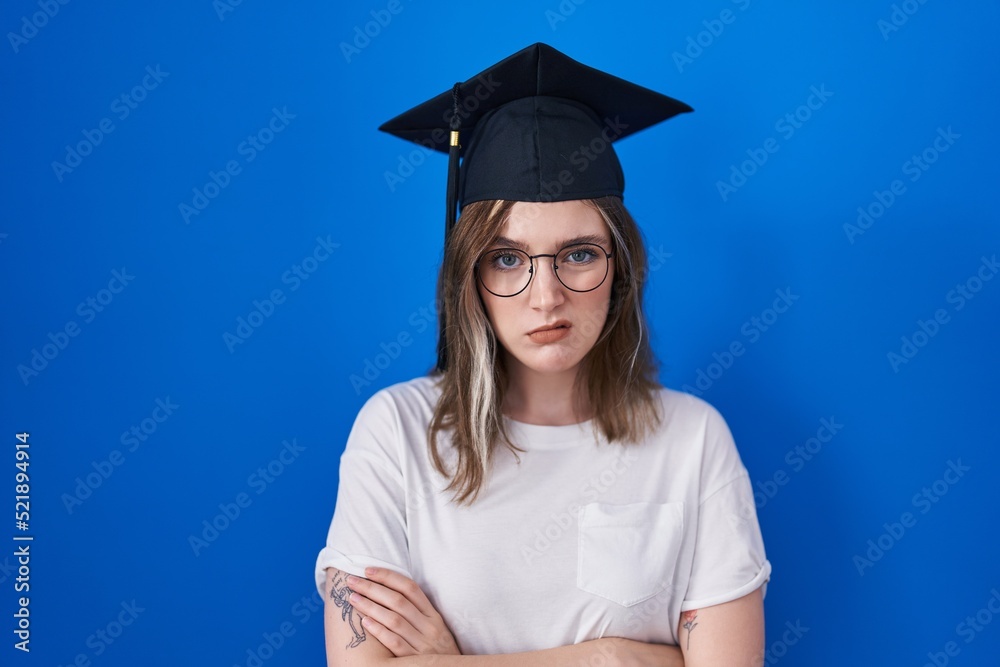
628,553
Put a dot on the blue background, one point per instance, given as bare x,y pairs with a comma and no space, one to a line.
226,69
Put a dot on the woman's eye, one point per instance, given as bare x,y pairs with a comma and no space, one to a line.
580,256
505,260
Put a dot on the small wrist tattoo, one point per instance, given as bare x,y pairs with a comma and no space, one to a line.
689,624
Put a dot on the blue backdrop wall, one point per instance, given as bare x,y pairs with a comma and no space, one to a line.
210,255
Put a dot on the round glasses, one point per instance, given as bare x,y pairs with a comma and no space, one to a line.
581,267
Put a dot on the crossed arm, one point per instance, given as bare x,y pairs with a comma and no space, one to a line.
387,617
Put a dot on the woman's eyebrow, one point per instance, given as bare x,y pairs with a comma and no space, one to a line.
597,239
510,243
589,238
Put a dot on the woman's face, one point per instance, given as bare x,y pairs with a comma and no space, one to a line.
547,228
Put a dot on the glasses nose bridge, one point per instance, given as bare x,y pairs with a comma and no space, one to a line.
532,258
555,267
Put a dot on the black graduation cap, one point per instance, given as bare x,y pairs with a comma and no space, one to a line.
538,126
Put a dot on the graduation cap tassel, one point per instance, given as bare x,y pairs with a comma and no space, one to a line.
453,151
450,206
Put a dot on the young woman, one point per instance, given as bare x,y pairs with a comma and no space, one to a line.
539,498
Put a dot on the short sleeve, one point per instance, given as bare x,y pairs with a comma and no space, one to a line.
729,558
369,519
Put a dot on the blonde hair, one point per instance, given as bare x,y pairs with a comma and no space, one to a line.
618,374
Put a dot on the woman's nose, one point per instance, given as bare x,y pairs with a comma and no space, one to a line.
546,290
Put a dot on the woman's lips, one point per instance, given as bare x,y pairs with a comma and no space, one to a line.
550,335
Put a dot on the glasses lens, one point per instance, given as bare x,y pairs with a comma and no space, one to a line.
504,271
582,267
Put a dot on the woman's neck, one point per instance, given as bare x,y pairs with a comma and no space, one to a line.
545,399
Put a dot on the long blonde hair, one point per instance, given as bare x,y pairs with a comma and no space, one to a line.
618,373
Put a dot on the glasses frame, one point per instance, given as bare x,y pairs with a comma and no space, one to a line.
555,269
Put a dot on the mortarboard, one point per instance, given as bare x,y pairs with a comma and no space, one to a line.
538,126
529,118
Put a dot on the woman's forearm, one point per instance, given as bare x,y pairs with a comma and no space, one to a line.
610,651
347,630
573,654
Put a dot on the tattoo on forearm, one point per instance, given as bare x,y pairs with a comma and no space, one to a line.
339,593
689,624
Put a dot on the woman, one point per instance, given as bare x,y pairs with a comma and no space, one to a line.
539,498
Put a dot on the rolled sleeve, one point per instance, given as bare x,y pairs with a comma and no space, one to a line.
729,558
369,519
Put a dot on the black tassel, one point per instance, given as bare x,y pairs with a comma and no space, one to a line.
453,151
451,197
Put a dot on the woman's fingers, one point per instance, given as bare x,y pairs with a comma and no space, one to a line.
389,627
393,610
405,587
389,639
433,633
408,601
386,597
396,602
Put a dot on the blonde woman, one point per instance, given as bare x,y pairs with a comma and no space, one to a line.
538,497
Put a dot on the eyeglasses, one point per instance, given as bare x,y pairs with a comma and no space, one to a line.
581,267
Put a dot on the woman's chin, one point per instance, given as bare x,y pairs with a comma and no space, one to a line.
548,363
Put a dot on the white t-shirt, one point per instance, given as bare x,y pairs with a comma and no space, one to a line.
582,539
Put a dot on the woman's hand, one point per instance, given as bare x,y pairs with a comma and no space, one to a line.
398,614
